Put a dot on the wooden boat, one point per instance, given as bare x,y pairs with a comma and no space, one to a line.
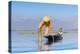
54,37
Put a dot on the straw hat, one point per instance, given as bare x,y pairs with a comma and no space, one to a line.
46,18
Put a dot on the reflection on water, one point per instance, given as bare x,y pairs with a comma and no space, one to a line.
28,42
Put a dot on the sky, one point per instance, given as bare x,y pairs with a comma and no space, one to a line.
27,15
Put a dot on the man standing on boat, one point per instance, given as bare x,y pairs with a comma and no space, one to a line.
47,23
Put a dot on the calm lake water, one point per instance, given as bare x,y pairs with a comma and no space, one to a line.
28,42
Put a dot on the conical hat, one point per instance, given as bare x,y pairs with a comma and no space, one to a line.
46,18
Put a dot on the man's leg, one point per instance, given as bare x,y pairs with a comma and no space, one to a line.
46,34
47,31
49,37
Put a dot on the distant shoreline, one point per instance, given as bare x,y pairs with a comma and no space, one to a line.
35,31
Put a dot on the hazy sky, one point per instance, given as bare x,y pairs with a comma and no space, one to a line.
26,15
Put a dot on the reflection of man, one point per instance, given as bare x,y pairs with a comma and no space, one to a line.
47,23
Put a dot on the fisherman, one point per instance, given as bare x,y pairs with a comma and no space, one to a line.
47,23
55,37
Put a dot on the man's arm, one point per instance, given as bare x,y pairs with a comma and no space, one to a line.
40,26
